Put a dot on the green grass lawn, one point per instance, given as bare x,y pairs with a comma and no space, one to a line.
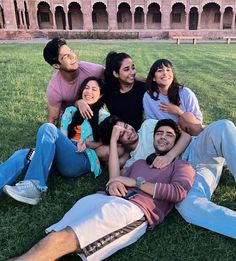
208,69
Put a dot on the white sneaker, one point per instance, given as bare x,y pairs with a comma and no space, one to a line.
25,191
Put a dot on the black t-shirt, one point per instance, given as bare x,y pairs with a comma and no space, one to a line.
127,106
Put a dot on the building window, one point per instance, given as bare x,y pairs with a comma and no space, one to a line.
176,17
94,18
156,18
217,17
44,17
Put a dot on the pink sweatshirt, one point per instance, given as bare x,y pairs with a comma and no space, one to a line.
61,93
172,185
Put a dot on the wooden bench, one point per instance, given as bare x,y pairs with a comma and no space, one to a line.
193,38
229,38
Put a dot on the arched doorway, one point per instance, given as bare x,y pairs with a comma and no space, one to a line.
178,16
44,16
210,18
99,16
60,18
154,16
124,16
75,16
228,17
193,18
139,18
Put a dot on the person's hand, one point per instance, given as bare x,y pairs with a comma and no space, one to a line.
84,109
170,108
116,188
128,182
161,161
117,132
81,146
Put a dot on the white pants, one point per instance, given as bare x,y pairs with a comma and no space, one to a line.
103,225
207,153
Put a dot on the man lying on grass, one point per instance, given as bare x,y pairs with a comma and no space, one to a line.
100,224
207,152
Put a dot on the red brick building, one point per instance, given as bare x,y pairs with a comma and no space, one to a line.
148,18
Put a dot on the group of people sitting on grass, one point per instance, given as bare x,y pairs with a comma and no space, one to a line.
96,115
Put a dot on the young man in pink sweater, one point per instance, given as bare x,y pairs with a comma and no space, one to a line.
64,85
100,224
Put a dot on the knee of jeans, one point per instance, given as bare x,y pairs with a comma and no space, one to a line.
225,124
21,153
47,128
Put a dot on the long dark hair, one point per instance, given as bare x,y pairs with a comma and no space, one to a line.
113,63
78,119
152,88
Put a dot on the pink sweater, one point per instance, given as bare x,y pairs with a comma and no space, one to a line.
172,185
61,93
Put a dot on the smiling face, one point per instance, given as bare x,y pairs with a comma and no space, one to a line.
67,59
164,139
91,93
128,136
126,72
163,77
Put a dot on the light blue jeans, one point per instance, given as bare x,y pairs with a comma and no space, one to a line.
207,153
52,146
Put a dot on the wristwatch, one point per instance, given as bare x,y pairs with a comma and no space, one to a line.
139,181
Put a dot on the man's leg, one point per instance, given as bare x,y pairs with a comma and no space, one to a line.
11,169
53,246
207,153
120,224
198,209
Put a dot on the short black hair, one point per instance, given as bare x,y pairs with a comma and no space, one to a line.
170,123
51,50
106,127
165,122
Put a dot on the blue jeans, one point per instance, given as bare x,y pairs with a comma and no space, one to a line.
207,153
52,147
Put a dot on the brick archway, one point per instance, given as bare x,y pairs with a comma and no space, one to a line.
44,16
124,16
75,16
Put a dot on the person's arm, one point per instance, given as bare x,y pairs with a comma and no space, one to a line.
148,187
181,182
93,144
115,188
82,145
113,161
53,114
190,124
180,146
